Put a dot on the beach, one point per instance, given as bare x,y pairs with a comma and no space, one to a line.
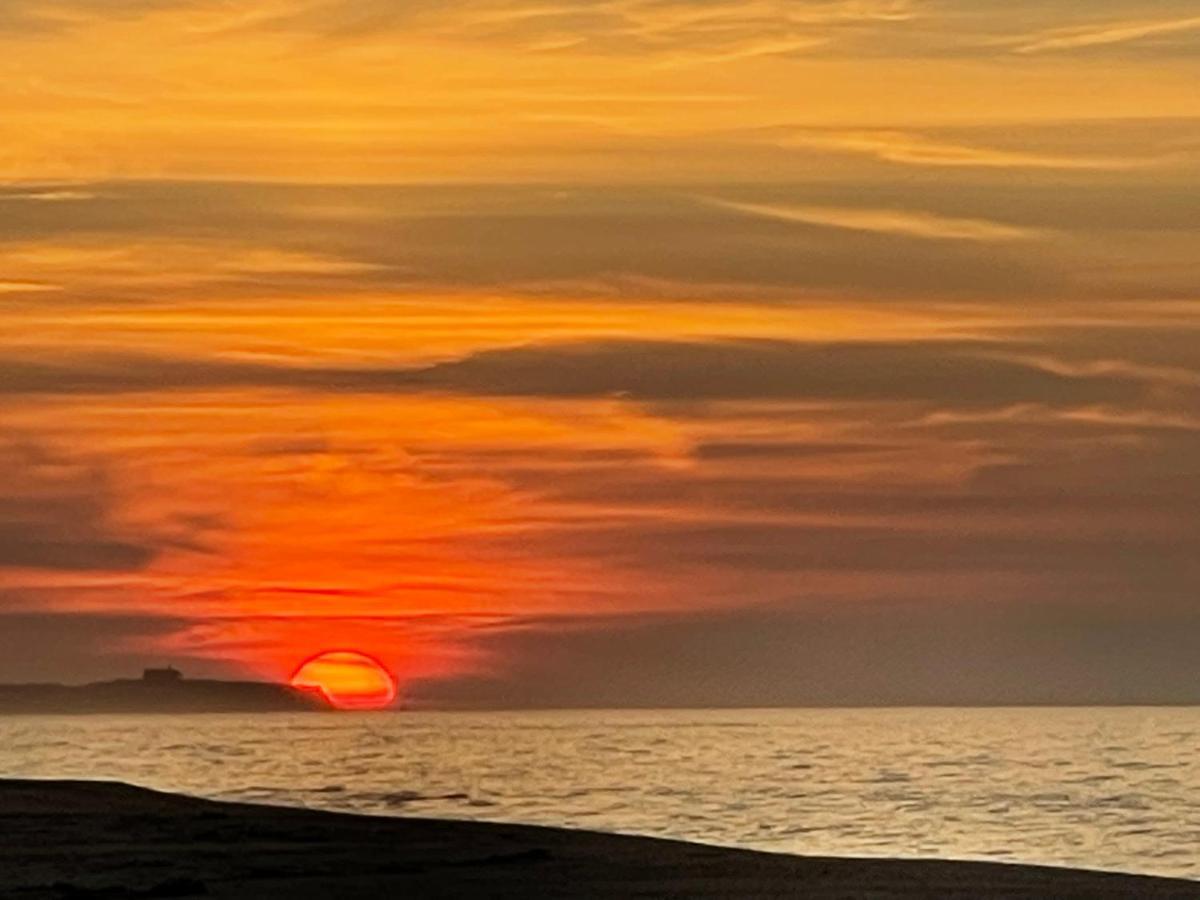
71,840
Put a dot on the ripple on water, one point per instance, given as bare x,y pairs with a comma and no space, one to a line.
1117,789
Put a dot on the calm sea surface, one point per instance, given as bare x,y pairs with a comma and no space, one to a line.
1102,788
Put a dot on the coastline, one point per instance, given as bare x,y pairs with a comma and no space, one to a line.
90,840
155,693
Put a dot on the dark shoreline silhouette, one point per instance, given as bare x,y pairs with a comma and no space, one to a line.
110,841
158,691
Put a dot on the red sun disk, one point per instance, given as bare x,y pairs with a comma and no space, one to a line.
349,679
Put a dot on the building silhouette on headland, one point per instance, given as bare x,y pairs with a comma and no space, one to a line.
159,690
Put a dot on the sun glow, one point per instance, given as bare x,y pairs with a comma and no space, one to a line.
349,680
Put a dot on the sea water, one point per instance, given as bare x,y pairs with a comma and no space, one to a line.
1098,788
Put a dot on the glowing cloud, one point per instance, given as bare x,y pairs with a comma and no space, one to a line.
1102,35
906,223
915,149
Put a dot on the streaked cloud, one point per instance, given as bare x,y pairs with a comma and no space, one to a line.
57,513
906,223
1095,237
949,374
1103,34
26,287
48,195
152,263
916,149
48,16
682,32
872,72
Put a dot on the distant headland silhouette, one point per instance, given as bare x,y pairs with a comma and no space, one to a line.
163,690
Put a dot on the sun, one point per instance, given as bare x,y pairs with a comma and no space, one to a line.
348,679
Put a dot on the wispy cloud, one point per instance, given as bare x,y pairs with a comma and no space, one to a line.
40,16
948,374
59,513
1100,35
904,222
49,196
916,149
746,49
45,265
23,287
677,32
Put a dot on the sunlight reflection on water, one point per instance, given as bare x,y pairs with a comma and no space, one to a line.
1100,788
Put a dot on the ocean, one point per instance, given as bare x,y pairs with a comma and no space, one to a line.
1097,788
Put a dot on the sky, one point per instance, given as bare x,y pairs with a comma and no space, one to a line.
605,353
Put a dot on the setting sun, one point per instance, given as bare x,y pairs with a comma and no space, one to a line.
348,679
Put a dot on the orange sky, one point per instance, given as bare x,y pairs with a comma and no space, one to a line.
490,338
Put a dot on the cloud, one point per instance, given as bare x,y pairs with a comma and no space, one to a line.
148,263
954,374
1078,37
49,16
26,287
669,30
957,374
906,223
672,32
892,549
208,242
56,513
42,545
787,450
678,32
915,149
49,195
